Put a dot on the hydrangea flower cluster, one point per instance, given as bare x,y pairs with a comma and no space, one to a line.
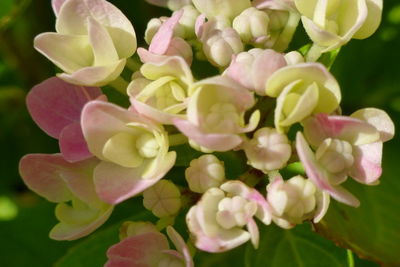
272,106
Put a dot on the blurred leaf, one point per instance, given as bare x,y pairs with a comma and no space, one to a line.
5,7
296,247
24,240
372,230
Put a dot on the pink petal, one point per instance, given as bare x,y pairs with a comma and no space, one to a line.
51,176
115,183
355,131
56,4
54,104
137,251
367,163
213,141
319,176
180,245
162,39
72,143
201,19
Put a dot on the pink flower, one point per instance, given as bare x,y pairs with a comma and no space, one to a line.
345,146
147,247
133,150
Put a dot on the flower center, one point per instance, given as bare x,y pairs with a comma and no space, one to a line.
235,211
223,118
147,146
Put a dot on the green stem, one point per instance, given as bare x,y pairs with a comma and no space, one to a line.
120,85
252,177
350,258
133,64
177,139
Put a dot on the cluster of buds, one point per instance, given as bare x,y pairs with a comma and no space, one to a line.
110,153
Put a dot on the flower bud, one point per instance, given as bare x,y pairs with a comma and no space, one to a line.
268,150
220,45
294,201
301,90
336,156
205,172
253,68
293,58
163,199
252,25
186,25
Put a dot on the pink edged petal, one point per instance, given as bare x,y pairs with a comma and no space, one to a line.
141,250
54,104
115,183
96,75
352,130
56,4
162,39
367,163
63,231
158,66
153,113
254,233
319,176
379,119
216,142
180,245
41,173
73,144
198,27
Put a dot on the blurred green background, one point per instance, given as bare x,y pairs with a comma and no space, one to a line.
368,72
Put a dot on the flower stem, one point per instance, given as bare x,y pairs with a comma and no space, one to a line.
177,139
120,85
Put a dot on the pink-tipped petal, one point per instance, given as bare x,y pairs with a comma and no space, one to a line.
352,130
115,183
213,141
162,39
180,245
73,144
54,104
40,173
367,163
319,176
137,251
56,4
198,27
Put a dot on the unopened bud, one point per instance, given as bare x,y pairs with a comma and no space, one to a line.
205,172
163,199
268,150
252,25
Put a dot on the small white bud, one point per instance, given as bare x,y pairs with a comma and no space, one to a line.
205,172
252,25
268,150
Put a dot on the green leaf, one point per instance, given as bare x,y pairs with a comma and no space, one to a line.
296,247
373,230
329,58
92,251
